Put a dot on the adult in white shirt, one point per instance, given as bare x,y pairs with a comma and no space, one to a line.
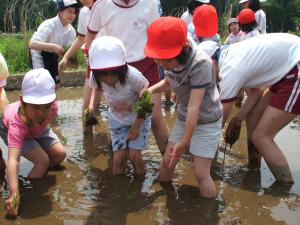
48,42
187,16
128,20
260,15
271,61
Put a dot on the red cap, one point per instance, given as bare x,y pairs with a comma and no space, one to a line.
166,38
246,16
205,20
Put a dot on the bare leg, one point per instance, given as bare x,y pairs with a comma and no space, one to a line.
57,154
40,161
139,165
159,128
119,162
272,121
254,156
206,184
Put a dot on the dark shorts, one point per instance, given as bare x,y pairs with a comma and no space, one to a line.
287,92
149,69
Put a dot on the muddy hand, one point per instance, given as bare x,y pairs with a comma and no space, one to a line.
176,152
12,205
233,130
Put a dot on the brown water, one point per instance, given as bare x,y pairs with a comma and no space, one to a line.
84,191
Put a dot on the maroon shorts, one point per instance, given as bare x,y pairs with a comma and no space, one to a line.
287,92
149,69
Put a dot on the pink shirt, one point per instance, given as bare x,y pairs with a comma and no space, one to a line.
17,129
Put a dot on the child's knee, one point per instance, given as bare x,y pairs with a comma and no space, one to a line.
58,155
41,165
201,176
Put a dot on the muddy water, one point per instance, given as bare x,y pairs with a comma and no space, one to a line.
83,190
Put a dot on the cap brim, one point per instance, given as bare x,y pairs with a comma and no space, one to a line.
243,1
38,100
162,53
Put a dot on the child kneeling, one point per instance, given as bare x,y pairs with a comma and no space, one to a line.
121,85
24,128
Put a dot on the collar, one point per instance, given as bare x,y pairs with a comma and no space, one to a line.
122,4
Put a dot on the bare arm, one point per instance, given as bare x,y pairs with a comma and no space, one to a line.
163,85
13,184
89,39
76,45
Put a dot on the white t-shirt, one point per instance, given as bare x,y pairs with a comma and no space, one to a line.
129,23
126,93
260,61
51,31
250,34
261,20
83,22
187,17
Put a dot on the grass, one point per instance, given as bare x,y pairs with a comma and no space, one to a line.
14,49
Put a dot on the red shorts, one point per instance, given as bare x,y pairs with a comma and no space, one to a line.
287,92
149,69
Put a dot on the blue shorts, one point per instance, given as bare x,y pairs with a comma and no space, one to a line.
120,131
45,140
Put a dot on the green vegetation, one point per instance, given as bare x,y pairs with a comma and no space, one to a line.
14,49
144,105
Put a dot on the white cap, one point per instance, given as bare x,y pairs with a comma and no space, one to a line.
106,53
203,1
3,68
38,87
210,47
243,1
65,3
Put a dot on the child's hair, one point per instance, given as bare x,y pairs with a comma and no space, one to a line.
184,55
192,5
62,5
248,27
255,5
231,21
120,72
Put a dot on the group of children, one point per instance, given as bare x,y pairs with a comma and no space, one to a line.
123,65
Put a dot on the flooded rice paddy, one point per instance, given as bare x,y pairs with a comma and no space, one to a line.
83,190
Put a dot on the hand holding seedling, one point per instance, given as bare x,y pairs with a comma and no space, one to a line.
233,130
12,204
135,129
144,105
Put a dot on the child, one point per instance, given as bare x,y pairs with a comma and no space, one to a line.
48,42
91,97
190,74
121,84
3,100
135,15
205,25
187,16
24,128
248,24
260,15
234,30
272,61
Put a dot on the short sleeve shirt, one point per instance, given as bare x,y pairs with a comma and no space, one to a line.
257,62
126,93
128,23
17,129
197,73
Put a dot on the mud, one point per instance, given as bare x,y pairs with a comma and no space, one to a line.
83,190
